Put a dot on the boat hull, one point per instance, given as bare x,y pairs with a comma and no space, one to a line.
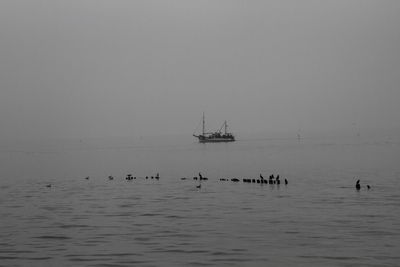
215,140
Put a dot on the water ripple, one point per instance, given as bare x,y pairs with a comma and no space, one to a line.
319,219
53,237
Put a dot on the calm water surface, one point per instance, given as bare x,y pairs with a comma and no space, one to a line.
318,219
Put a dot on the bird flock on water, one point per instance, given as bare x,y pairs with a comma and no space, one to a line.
261,180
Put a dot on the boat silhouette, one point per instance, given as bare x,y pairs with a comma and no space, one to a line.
215,137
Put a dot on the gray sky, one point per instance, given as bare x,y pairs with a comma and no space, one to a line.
121,68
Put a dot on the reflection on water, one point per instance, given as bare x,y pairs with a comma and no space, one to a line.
318,219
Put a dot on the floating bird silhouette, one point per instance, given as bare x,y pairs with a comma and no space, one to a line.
201,177
358,186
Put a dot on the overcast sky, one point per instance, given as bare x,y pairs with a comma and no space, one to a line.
131,68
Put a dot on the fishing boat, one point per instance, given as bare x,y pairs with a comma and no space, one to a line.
215,137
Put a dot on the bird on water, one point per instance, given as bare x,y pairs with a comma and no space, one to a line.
358,186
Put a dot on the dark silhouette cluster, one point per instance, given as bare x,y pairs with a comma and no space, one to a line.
200,178
272,180
358,185
129,177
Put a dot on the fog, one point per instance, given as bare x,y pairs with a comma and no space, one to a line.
77,69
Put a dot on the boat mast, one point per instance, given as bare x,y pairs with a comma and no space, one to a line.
204,122
226,126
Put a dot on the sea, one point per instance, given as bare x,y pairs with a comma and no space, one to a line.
59,208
